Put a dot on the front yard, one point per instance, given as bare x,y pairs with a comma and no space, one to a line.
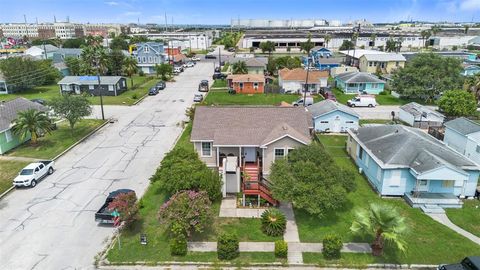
468,217
428,241
53,144
224,98
8,171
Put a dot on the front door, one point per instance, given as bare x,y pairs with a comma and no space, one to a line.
250,154
336,124
423,185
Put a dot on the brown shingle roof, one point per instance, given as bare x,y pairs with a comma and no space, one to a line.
255,126
246,77
10,109
299,74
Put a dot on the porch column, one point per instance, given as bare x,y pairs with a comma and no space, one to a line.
243,199
240,161
258,200
218,157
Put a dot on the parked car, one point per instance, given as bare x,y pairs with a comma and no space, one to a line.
197,98
217,69
231,49
330,96
182,69
468,263
362,101
219,76
190,64
184,66
210,56
203,86
161,85
195,58
33,173
105,215
300,102
153,91
177,70
39,101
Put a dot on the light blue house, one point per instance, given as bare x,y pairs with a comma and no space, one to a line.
403,161
149,54
359,82
470,70
322,59
330,116
463,135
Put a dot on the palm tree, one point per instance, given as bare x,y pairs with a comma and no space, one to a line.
466,29
130,67
426,34
472,84
95,59
373,37
385,223
308,45
327,39
354,40
239,67
31,122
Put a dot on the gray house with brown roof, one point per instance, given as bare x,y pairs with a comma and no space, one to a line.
246,141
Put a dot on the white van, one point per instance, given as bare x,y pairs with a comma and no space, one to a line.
362,101
308,102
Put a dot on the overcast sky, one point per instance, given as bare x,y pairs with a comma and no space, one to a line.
221,12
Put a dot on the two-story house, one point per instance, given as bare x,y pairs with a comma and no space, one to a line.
149,54
242,142
404,161
382,63
463,135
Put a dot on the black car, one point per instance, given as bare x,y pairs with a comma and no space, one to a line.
161,85
153,91
105,215
468,263
217,69
210,56
219,76
231,49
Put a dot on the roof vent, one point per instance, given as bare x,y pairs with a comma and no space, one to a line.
285,127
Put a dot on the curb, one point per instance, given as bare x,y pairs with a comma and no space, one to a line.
64,152
139,100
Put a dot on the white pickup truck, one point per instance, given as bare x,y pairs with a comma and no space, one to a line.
32,173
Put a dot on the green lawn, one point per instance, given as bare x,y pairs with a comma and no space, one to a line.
381,99
426,239
8,171
53,144
224,98
374,121
467,217
350,260
219,83
48,92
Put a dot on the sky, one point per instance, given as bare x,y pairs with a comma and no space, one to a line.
221,12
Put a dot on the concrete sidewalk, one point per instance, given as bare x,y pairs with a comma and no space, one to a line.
243,246
443,219
317,247
228,208
291,234
23,159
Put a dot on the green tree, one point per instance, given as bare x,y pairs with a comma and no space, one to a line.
457,103
327,39
239,67
73,65
130,67
252,49
71,107
31,122
466,28
94,60
126,205
308,45
94,40
472,84
137,39
391,45
373,38
426,34
24,73
311,180
428,75
346,45
384,223
271,66
267,46
289,62
74,43
119,43
164,70
116,61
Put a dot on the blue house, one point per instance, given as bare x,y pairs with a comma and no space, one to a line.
322,59
470,70
359,82
403,161
331,116
149,54
463,135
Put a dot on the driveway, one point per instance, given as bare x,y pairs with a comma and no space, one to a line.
381,111
52,226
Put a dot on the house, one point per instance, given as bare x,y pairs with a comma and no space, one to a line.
470,69
255,65
322,59
463,135
327,63
335,71
149,54
8,112
242,142
3,85
404,161
39,52
109,85
246,83
320,52
359,82
352,57
381,63
420,116
293,80
331,116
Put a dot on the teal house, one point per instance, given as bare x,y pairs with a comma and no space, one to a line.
359,82
403,161
8,112
470,70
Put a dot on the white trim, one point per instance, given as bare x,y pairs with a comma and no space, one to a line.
201,140
216,145
286,135
279,148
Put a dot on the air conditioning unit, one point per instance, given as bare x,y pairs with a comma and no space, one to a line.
360,170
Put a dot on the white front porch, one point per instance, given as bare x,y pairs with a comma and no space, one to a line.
444,200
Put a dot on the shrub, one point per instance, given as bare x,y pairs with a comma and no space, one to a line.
274,222
134,96
141,73
383,93
332,245
227,246
178,245
126,205
281,249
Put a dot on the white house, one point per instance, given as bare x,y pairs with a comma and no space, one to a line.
420,116
463,135
39,52
293,80
331,116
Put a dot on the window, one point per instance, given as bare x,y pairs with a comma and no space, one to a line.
478,148
374,85
110,88
150,59
8,135
139,59
144,59
91,87
290,150
240,85
324,122
397,63
395,178
146,49
447,183
206,149
279,153
370,64
360,153
349,122
255,85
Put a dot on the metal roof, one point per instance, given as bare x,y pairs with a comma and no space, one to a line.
326,106
90,80
385,57
463,125
358,77
416,109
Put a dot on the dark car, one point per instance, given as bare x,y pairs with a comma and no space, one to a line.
161,85
217,69
219,76
104,214
468,263
210,56
231,49
39,101
153,91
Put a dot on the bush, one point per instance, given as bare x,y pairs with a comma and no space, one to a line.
383,93
227,246
332,245
141,73
274,222
178,246
281,249
134,96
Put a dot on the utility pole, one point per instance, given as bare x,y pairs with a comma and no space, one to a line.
219,58
306,81
26,26
99,89
44,49
166,29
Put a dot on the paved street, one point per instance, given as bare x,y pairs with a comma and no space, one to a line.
52,226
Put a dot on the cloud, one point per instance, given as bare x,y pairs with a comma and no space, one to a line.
470,5
132,13
112,3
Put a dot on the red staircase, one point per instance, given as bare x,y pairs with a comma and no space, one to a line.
252,185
